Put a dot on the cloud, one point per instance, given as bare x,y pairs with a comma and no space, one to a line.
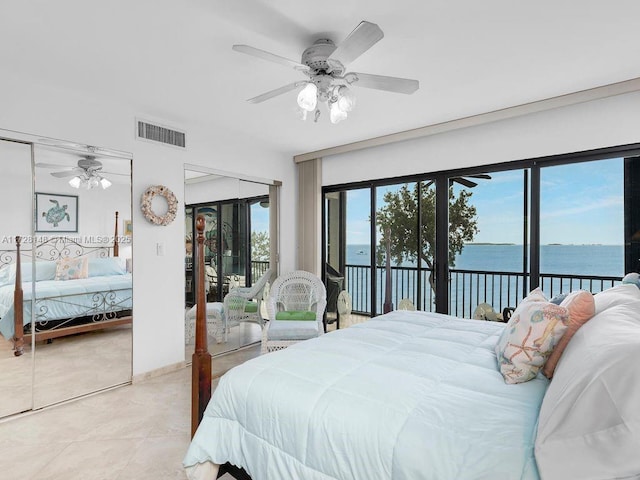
592,205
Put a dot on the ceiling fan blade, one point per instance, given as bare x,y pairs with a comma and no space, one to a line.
52,165
276,92
271,57
68,173
380,82
361,39
114,173
480,175
464,181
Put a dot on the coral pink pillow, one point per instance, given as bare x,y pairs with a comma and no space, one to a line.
582,307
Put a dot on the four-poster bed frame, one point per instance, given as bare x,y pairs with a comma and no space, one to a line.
201,359
55,248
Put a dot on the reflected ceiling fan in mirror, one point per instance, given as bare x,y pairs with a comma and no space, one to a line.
324,63
87,174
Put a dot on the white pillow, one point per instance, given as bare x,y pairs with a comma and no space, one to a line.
44,271
100,267
589,423
624,293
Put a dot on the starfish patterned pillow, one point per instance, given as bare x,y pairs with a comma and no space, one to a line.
72,268
534,329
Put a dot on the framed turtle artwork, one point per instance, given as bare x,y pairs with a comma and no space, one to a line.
56,213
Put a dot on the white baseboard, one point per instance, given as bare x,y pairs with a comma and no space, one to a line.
158,372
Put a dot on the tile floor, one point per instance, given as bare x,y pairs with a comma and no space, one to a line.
62,369
138,431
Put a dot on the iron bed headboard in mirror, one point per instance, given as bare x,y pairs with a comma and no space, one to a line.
79,287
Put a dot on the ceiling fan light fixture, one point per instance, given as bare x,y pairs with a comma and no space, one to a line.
308,97
75,182
346,98
302,113
90,180
105,183
336,114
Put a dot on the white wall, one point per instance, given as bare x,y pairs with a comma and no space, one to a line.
601,123
158,285
223,188
16,198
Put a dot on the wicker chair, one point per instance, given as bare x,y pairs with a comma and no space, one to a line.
296,305
238,304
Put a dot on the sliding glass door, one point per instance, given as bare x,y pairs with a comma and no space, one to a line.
471,243
348,252
582,223
488,242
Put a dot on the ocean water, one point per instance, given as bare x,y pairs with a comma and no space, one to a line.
605,260
467,291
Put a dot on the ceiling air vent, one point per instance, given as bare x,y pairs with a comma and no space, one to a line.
156,133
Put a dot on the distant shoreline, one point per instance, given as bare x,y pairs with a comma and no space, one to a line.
366,246
489,243
549,244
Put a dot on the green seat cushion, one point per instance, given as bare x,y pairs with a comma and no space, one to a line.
247,306
296,315
251,307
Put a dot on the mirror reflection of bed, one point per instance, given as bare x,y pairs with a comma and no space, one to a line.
79,307
237,252
79,363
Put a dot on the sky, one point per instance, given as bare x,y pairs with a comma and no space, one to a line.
259,218
581,203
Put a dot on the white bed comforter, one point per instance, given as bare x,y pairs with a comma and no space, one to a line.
408,395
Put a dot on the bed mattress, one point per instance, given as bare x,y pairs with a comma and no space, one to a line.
67,299
407,395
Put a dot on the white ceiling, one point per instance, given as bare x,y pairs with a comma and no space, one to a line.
172,60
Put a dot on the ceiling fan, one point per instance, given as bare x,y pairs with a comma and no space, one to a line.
463,180
324,64
88,173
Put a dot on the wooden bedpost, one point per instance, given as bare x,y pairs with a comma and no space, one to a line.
201,365
18,325
115,238
388,304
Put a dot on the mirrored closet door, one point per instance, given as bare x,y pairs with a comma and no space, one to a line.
66,306
16,371
237,251
83,314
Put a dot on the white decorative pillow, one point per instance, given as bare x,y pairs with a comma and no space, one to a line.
72,268
534,329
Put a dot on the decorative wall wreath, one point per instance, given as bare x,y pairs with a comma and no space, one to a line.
147,207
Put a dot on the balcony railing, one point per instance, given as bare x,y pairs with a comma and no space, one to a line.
258,268
467,288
